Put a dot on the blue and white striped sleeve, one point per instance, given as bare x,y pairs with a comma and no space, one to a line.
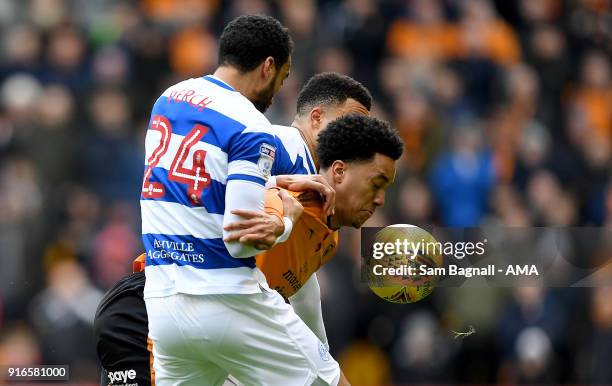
251,155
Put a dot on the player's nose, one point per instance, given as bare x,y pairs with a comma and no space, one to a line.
379,198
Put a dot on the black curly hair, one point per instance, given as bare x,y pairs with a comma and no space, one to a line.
249,39
331,87
357,137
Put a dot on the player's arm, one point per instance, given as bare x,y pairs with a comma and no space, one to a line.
277,203
306,303
251,158
251,155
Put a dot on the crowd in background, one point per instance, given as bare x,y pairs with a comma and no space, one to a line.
505,108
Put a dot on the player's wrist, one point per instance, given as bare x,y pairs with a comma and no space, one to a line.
271,183
279,225
288,227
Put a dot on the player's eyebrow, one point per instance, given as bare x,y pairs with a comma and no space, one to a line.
381,176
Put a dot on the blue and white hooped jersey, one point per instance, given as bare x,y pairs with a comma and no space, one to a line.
293,155
202,134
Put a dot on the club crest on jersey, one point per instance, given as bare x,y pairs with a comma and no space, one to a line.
323,352
266,158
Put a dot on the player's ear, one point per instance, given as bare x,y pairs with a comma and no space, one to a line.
268,68
338,169
316,117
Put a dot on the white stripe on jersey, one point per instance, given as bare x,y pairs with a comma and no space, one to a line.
294,144
241,167
169,218
215,160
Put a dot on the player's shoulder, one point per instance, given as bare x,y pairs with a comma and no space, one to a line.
289,132
209,92
289,136
241,110
234,105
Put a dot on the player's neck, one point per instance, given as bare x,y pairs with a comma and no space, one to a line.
244,83
332,222
308,137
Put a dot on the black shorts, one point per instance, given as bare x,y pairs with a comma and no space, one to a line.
121,333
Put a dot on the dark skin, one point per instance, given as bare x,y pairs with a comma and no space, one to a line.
359,186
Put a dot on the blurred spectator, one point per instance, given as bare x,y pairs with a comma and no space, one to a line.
414,201
449,99
484,34
418,128
601,337
111,159
360,27
334,59
531,307
589,24
425,35
20,204
592,99
50,139
245,7
462,178
299,16
192,52
18,94
421,355
62,315
535,12
509,208
18,347
534,357
546,52
365,364
22,49
48,13
115,246
66,58
179,12
110,67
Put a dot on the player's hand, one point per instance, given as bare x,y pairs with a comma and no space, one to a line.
292,208
258,229
316,182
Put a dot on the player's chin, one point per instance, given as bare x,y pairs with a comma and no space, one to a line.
262,104
363,216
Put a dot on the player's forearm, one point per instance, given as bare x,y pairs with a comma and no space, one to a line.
241,194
